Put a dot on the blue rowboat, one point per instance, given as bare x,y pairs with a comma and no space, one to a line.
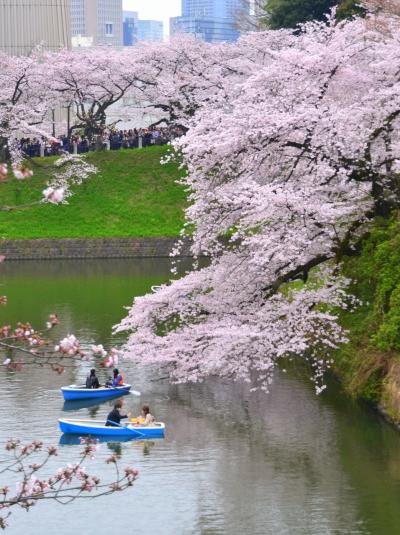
99,428
81,392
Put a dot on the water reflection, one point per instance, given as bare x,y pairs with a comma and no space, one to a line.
231,462
76,405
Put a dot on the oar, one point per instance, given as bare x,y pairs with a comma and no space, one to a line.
133,392
115,424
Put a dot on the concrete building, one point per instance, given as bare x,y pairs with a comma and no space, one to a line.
98,21
27,23
211,20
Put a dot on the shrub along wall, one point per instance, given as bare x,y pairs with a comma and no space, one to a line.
370,364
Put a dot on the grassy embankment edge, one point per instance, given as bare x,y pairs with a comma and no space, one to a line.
133,195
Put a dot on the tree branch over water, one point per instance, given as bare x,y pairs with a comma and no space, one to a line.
26,463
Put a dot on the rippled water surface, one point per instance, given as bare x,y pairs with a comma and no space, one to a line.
232,462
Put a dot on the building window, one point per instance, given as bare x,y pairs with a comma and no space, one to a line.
109,29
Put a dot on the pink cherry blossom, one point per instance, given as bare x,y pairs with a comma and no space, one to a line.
54,196
292,147
69,345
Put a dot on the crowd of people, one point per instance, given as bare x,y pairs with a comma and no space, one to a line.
113,140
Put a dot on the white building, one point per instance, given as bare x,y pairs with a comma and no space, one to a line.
98,21
25,24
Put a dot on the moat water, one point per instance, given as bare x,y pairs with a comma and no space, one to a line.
232,462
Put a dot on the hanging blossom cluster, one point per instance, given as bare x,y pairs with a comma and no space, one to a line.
109,359
287,164
24,340
70,169
67,484
69,345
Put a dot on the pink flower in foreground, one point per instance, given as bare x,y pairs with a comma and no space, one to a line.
112,359
99,350
3,171
53,319
54,196
21,172
69,345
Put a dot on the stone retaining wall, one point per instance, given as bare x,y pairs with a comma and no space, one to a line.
89,248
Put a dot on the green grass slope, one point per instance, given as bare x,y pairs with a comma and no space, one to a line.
133,195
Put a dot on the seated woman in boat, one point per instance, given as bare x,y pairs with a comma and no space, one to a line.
114,417
148,417
92,380
118,379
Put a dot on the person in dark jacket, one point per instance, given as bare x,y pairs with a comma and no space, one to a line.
92,380
114,417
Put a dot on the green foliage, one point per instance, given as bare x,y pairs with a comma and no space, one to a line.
290,13
133,195
349,8
374,327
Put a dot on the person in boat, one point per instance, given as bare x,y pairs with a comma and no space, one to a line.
114,417
118,379
146,414
92,381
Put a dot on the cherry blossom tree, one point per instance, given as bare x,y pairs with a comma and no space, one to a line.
90,82
286,167
23,108
25,111
181,76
